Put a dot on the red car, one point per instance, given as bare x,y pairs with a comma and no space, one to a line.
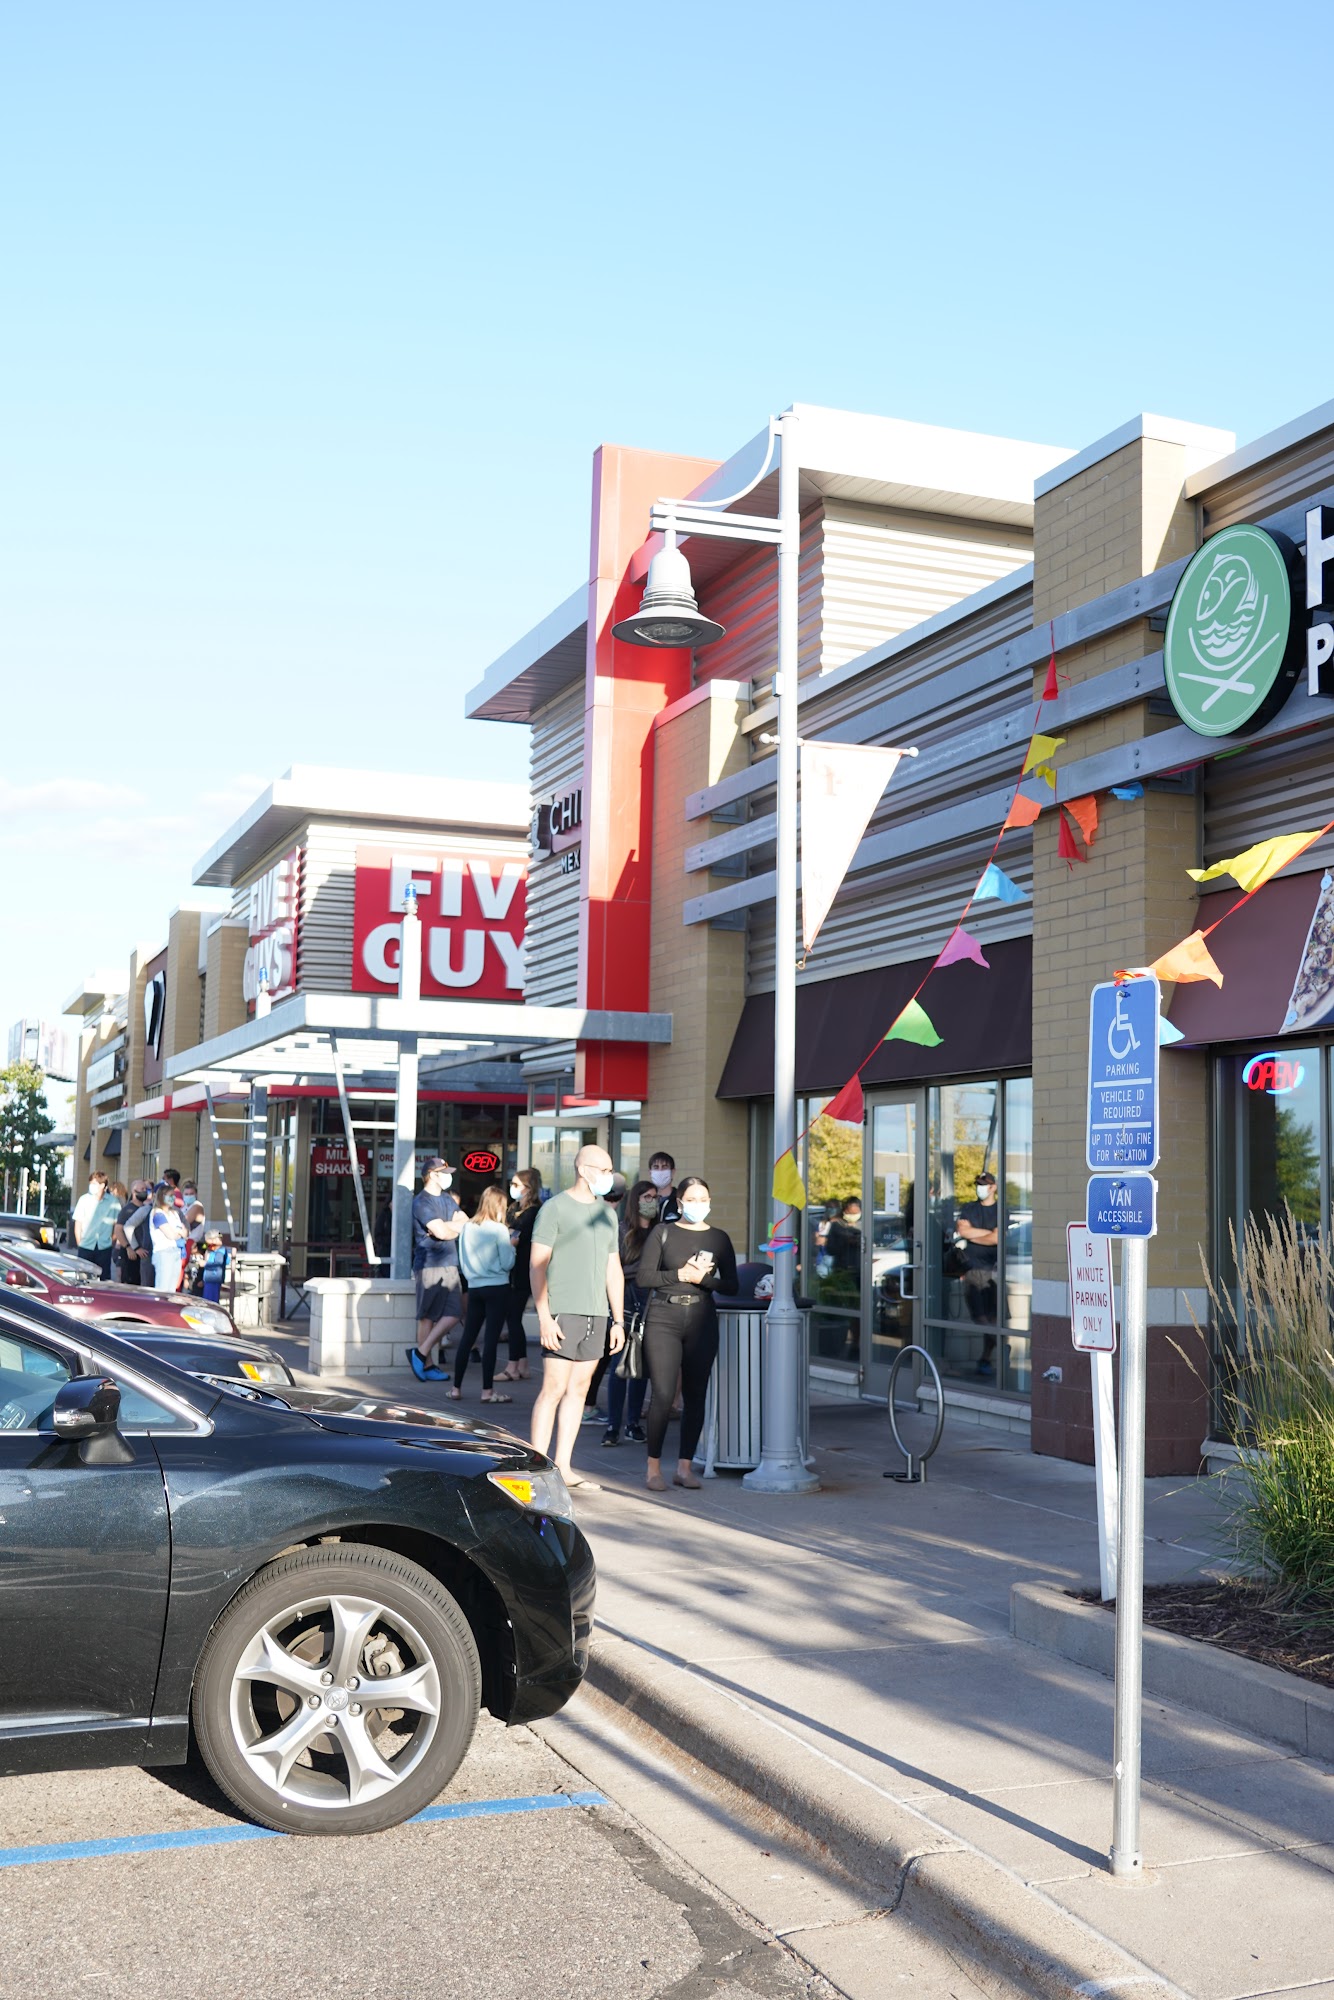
192,1332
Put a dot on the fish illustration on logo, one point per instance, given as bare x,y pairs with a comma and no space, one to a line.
1226,611
1232,648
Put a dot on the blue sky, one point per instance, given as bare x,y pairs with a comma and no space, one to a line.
311,317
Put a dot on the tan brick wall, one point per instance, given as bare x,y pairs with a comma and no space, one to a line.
1132,899
224,1006
697,975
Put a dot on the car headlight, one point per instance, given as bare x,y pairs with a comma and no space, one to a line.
204,1321
536,1492
266,1371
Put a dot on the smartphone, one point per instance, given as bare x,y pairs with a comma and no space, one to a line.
705,1257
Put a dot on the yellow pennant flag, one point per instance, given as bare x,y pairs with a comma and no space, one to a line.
1254,868
788,1186
1040,751
1191,959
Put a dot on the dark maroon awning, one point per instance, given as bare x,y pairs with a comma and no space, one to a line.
1258,952
985,1020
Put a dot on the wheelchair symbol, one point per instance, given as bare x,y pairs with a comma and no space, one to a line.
1121,1036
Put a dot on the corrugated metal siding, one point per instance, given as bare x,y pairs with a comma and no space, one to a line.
745,601
883,571
1274,788
890,914
1295,475
556,766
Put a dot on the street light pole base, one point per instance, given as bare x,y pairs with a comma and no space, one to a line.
780,1476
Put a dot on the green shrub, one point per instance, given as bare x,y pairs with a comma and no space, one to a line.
1279,1396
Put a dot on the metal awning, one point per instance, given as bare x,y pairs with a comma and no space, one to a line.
297,1036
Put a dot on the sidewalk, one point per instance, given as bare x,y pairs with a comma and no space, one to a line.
847,1658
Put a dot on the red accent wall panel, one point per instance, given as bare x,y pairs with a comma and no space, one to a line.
625,688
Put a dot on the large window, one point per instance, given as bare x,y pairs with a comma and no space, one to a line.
979,1231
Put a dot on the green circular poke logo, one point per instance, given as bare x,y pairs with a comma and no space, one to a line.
1231,647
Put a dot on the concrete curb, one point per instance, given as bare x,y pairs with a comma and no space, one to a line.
1266,1702
979,1908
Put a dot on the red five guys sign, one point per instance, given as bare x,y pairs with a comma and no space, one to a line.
472,915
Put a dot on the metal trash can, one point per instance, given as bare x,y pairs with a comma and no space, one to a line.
732,1412
258,1287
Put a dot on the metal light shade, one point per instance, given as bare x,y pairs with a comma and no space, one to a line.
668,615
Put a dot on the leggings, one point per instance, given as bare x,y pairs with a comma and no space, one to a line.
484,1314
516,1302
679,1340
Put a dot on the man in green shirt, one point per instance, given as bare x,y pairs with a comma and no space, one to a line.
576,1276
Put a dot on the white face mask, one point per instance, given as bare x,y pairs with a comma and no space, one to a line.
660,1176
516,1191
444,1182
986,1195
598,1183
695,1211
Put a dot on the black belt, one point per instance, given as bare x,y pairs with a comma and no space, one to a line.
681,1298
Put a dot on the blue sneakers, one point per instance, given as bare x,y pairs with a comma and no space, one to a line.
423,1370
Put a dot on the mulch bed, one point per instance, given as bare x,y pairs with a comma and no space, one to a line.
1237,1616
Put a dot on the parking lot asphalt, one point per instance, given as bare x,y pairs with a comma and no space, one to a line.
518,1884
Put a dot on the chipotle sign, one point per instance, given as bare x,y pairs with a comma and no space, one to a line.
472,916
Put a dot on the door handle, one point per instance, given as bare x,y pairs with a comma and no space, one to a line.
910,1297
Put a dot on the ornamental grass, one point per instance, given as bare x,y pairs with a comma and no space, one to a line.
1279,1398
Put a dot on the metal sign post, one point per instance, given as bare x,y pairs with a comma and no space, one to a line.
1122,1150
1093,1332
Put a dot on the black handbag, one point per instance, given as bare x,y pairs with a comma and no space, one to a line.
630,1362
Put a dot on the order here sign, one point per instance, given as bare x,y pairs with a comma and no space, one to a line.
1092,1301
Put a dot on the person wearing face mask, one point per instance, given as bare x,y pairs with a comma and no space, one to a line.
977,1223
576,1275
625,1396
437,1222
683,1264
662,1176
525,1206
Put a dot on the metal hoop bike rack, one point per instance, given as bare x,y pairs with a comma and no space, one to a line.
911,1477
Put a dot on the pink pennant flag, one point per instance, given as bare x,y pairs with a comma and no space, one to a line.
962,945
849,1107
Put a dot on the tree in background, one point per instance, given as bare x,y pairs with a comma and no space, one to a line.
24,1121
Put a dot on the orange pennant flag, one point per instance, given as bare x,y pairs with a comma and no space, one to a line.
1084,813
1191,959
1023,812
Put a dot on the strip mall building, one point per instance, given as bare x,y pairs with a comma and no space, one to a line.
938,569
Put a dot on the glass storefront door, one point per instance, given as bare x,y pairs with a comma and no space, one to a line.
891,1240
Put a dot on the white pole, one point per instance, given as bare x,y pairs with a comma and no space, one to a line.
41,1191
354,1165
23,1190
781,1468
1125,1857
405,1103
1104,1469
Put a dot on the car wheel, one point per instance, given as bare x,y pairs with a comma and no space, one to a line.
338,1692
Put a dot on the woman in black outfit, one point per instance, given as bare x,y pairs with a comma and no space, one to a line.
526,1195
683,1264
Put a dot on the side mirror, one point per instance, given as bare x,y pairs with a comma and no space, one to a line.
22,1280
88,1409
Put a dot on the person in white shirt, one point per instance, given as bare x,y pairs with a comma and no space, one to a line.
167,1234
487,1257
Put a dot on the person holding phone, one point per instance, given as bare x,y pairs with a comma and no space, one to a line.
683,1264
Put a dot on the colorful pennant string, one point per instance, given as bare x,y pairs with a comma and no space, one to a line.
962,944
1051,687
996,886
1023,812
914,1025
789,1187
1167,1034
1132,791
849,1107
1191,959
1253,868
1084,813
1066,844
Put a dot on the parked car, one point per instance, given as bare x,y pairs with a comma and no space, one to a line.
320,1591
27,1228
189,1332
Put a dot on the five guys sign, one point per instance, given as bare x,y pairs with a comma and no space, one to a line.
472,914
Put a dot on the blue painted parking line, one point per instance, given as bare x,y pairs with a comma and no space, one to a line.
225,1836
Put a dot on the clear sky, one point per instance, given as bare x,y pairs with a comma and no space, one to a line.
311,316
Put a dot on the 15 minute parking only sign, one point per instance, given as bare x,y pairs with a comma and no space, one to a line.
1123,1077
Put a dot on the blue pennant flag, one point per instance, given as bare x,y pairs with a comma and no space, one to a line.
1134,791
1167,1033
996,886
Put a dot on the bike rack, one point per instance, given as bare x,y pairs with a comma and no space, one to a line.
918,1477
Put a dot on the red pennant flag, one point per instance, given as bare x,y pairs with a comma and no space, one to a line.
1084,812
849,1107
1066,844
1023,812
1051,687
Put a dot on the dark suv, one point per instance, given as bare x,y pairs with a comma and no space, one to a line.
322,1588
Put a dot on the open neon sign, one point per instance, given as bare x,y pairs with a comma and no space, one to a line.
1276,1074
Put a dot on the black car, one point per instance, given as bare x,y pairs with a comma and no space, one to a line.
37,1229
320,1590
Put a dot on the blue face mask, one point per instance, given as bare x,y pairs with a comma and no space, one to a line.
695,1211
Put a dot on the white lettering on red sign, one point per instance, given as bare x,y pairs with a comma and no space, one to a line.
472,914
271,957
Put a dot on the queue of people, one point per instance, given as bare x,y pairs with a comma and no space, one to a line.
150,1235
623,1284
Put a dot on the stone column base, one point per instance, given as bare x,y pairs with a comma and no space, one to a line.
361,1326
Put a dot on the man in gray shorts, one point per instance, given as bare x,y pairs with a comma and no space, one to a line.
576,1276
437,1221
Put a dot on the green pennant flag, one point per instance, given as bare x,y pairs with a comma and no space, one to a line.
914,1025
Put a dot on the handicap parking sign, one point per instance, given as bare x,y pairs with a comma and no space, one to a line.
1122,1205
1123,1076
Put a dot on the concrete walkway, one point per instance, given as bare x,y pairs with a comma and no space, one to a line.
850,1655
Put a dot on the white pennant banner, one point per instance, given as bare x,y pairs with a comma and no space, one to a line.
841,785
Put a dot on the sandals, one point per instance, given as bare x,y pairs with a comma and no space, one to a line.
490,1396
456,1395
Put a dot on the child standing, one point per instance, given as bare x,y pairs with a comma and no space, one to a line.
217,1265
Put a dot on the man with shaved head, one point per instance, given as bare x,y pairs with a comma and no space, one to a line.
576,1278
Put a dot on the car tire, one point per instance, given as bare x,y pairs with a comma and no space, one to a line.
281,1711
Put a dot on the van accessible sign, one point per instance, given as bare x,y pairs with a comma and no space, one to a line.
1092,1300
1123,1076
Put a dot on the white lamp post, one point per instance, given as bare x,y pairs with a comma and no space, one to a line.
669,616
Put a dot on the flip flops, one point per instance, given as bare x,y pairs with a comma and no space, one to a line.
494,1398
